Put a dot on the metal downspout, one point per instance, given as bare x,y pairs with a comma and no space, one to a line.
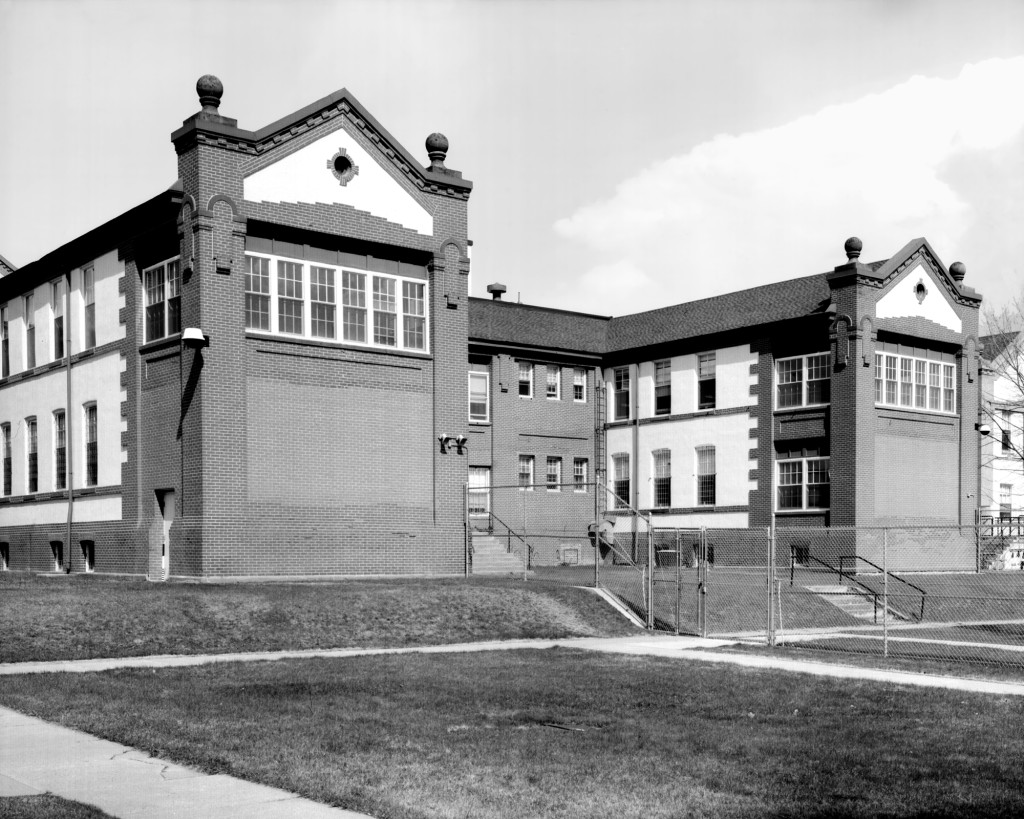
69,460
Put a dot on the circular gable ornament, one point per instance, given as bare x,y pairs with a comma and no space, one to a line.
920,290
342,166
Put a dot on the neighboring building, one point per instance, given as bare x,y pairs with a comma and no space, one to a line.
1002,451
256,382
273,368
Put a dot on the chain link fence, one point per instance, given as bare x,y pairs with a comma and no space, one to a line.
941,594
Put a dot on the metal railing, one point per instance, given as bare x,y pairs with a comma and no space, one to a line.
867,590
918,589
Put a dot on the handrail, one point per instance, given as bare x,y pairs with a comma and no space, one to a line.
922,592
511,532
792,566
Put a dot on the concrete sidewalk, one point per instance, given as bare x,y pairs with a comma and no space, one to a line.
39,757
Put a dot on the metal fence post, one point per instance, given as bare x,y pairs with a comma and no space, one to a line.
597,533
650,575
771,584
465,524
679,581
885,592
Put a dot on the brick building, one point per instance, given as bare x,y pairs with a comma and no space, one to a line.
274,368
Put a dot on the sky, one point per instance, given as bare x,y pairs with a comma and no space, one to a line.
625,155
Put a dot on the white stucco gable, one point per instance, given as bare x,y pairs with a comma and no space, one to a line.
307,176
918,294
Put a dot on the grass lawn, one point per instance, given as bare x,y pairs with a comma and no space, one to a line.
560,733
79,616
46,806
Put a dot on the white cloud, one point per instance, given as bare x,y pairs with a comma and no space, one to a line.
739,211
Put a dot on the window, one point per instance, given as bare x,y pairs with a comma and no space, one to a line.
89,307
479,393
662,477
353,299
290,299
620,471
385,310
621,409
5,445
89,555
257,293
1005,501
30,332
5,350
57,309
579,474
163,300
57,550
662,387
479,491
803,381
914,383
525,380
1006,441
579,385
32,441
414,316
706,382
803,484
60,451
554,383
321,297
553,477
526,472
5,556
705,476
91,447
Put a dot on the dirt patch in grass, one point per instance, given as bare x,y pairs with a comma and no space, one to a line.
559,733
77,617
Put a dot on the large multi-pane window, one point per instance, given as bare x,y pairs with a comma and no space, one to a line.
5,448
662,387
553,382
32,441
706,494
525,380
321,296
302,300
579,385
5,350
353,300
30,332
290,298
620,473
910,382
553,477
662,477
707,383
60,451
257,293
89,307
57,310
479,393
92,462
414,320
803,483
579,474
621,408
526,471
163,299
803,381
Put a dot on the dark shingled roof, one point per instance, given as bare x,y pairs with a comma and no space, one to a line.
995,344
525,325
747,308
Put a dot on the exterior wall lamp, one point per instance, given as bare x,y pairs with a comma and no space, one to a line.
193,338
461,443
984,429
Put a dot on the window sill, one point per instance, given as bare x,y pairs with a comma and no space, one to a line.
815,511
803,408
330,344
479,423
161,343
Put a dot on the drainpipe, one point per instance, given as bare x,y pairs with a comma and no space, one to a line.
635,466
68,425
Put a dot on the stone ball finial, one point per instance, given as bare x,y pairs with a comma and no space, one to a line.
853,248
210,90
958,270
437,149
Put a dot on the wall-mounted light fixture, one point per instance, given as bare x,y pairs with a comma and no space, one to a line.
983,428
461,443
193,337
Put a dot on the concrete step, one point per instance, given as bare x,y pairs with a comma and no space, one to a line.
855,603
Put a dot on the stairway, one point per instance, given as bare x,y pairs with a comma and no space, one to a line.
858,604
490,556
